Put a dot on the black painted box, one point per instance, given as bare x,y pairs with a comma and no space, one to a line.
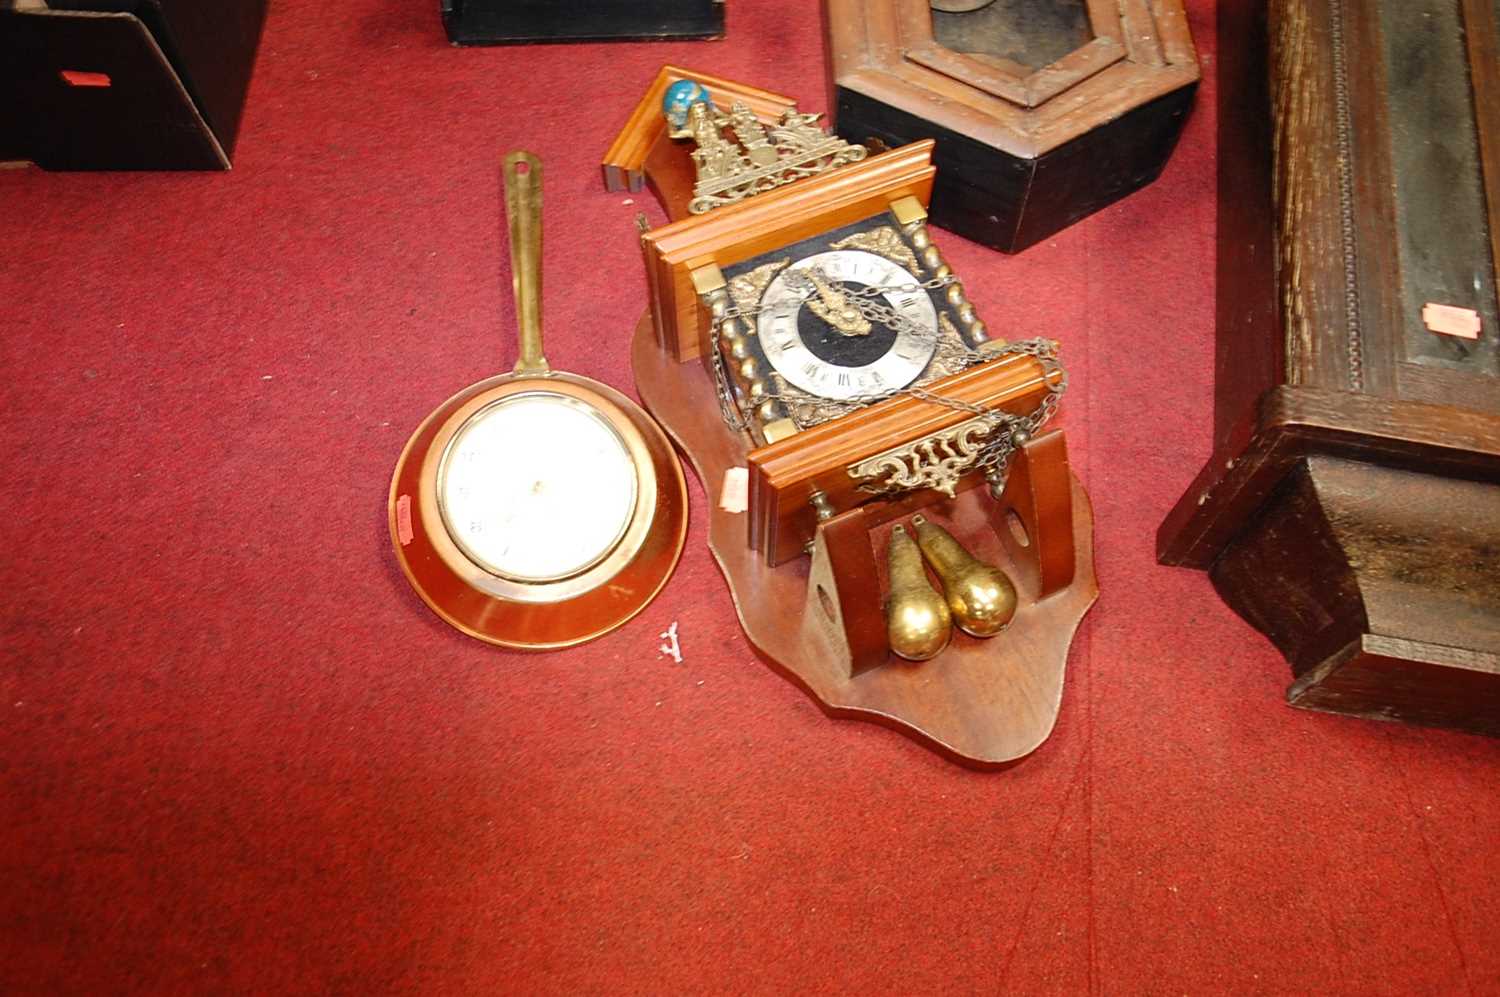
509,22
126,84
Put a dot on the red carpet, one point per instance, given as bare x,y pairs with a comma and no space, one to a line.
238,754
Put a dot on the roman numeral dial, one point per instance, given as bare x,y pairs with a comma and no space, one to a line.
830,356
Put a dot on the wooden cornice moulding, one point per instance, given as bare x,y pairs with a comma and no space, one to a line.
1011,138
728,235
1299,422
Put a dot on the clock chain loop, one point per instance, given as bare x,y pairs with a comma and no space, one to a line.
728,410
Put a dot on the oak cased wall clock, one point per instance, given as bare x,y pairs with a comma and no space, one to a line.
1350,509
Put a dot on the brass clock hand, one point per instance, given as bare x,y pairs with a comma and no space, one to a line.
835,309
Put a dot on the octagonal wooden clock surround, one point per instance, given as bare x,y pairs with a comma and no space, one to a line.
1043,111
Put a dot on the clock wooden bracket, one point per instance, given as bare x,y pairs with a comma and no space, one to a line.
1029,529
981,703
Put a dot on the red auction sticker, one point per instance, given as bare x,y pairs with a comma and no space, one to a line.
403,520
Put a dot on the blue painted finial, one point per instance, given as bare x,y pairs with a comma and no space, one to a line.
678,101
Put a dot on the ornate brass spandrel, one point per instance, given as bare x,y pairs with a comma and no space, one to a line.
747,288
937,461
952,355
883,241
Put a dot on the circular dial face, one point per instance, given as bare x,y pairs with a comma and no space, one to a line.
813,334
536,487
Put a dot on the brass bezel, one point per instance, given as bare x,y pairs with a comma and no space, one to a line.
477,574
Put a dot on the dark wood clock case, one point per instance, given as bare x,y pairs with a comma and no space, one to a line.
1351,507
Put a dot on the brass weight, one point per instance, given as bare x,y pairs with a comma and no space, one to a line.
917,619
980,597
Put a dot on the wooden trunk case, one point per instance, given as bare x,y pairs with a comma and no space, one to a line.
1351,508
1044,111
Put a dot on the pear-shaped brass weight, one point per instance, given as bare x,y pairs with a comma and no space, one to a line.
980,596
916,616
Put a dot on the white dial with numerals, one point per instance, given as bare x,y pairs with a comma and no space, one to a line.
537,486
824,360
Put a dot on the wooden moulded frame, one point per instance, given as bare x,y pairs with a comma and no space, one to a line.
732,234
1021,153
1012,81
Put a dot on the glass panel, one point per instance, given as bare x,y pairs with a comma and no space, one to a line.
1442,222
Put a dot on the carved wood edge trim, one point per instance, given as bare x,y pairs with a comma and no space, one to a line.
1026,89
1141,35
1297,422
1024,133
995,122
1104,19
1344,133
988,78
1072,69
883,177
1399,649
1463,707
